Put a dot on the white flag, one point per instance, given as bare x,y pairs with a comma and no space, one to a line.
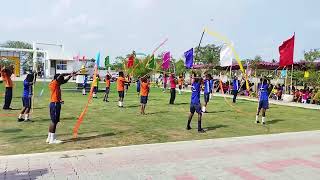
226,55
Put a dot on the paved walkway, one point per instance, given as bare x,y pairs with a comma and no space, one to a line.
279,156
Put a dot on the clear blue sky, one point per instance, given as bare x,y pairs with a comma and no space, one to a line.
116,27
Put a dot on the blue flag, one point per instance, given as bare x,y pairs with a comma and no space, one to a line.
98,59
189,58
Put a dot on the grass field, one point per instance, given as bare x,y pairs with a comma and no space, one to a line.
106,125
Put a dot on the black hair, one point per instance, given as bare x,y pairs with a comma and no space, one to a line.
121,74
30,77
108,77
55,77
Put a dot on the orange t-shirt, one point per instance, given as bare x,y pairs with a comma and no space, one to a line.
144,90
180,81
7,79
107,82
120,84
55,91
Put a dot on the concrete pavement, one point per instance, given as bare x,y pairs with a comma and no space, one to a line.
278,156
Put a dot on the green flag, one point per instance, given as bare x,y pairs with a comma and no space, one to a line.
152,63
106,61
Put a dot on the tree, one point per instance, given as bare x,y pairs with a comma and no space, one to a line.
209,54
180,68
314,75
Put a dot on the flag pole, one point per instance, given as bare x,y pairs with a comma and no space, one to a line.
291,77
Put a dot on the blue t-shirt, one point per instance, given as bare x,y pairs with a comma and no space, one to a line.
138,84
27,89
206,86
263,92
195,95
235,84
211,84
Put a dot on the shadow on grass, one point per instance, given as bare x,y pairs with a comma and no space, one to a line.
88,137
215,127
275,121
213,112
132,106
31,174
160,112
61,119
12,130
180,103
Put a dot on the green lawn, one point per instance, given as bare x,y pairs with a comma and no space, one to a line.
106,125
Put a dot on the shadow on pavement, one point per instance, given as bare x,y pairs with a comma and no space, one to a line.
32,174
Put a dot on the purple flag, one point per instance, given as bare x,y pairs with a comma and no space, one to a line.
166,60
189,58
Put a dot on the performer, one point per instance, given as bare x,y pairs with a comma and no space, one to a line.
120,88
95,84
127,83
138,86
85,82
206,93
106,94
263,101
180,84
195,105
211,86
165,81
55,105
235,89
26,98
173,85
6,76
145,88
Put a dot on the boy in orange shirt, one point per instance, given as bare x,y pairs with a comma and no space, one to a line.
180,84
120,88
55,105
106,94
144,92
6,76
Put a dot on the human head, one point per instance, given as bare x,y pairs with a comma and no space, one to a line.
55,77
108,77
30,77
235,78
121,74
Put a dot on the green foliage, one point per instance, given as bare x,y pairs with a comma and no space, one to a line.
209,54
180,68
314,75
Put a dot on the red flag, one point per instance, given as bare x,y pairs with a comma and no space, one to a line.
130,61
286,52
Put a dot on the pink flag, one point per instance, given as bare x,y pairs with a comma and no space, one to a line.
166,60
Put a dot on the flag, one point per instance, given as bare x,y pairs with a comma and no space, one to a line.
107,61
152,63
226,55
286,51
130,61
98,59
85,110
189,58
166,60
283,73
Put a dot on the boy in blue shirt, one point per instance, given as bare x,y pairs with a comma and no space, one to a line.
206,93
138,85
211,86
26,98
195,105
263,100
235,89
